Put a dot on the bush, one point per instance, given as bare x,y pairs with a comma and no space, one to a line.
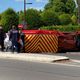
74,19
65,19
67,28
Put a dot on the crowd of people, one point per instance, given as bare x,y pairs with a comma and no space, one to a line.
12,40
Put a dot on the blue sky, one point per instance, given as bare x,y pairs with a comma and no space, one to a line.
17,5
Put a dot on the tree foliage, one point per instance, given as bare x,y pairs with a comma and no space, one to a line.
21,16
9,18
66,6
49,4
33,18
59,7
65,19
49,17
0,16
70,6
56,12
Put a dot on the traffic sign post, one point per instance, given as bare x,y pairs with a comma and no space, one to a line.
24,22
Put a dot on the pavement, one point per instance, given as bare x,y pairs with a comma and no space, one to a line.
33,57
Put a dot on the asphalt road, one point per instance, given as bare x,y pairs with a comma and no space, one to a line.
23,70
71,55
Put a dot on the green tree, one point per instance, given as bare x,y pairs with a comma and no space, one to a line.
0,16
9,18
59,6
0,19
65,19
21,17
64,1
66,6
49,17
49,4
33,18
76,12
70,6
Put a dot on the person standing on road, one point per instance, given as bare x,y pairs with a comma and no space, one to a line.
14,37
22,36
2,36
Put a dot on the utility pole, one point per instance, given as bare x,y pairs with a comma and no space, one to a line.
25,22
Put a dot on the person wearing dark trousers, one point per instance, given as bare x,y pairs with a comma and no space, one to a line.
14,37
2,36
22,42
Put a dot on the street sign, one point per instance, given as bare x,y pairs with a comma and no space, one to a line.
20,26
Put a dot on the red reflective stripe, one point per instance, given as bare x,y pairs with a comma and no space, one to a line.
40,32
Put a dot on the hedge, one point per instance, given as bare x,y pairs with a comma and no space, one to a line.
66,28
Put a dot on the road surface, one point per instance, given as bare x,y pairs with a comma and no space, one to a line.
23,70
71,55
